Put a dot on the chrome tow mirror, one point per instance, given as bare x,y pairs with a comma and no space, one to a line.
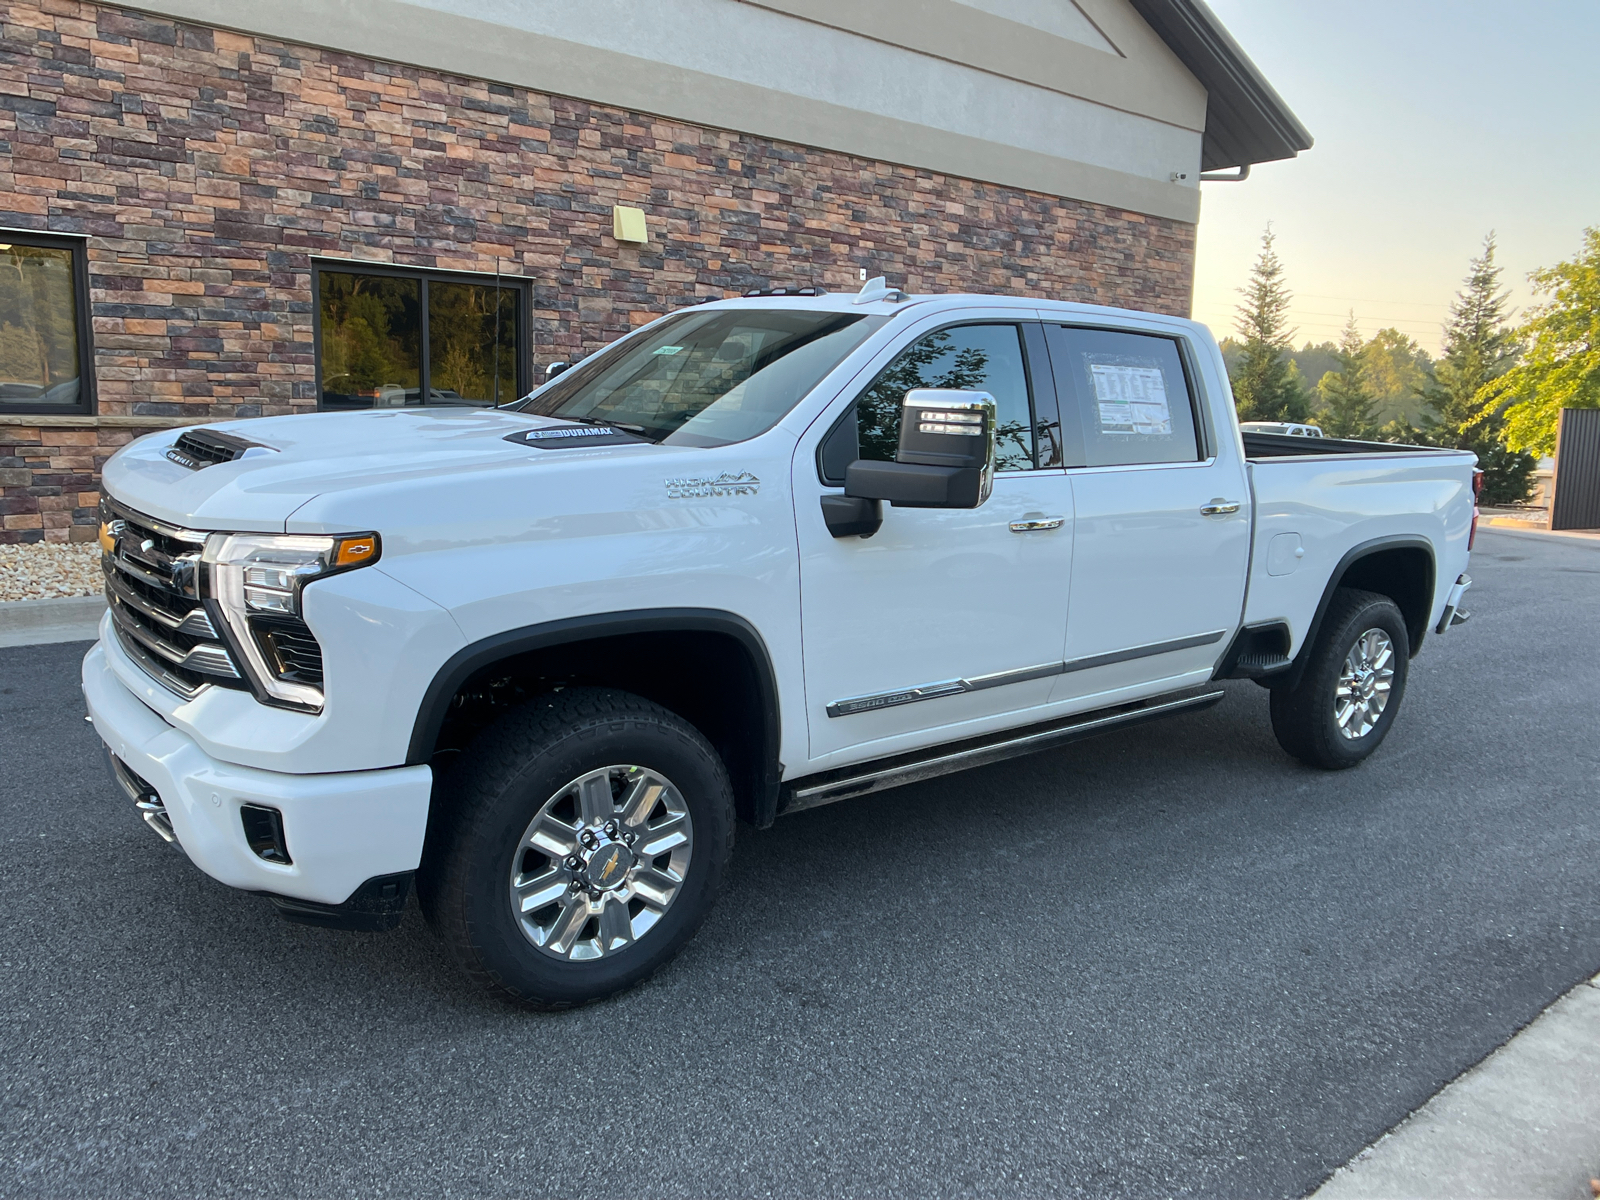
946,459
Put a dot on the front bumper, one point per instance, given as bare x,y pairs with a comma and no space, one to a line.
341,830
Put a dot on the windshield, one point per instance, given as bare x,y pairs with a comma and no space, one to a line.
706,378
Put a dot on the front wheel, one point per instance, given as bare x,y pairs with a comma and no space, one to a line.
1346,701
580,847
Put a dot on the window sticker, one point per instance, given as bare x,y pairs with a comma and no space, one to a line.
1132,400
668,350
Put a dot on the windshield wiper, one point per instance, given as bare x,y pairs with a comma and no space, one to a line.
639,429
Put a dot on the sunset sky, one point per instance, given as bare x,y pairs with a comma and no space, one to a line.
1435,123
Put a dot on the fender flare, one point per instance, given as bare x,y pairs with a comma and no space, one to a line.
473,658
1289,677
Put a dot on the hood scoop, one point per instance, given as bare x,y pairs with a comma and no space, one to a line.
199,448
568,437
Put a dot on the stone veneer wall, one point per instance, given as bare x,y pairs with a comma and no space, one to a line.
207,168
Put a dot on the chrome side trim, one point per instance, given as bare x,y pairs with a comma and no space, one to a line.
1133,652
1084,725
932,691
956,687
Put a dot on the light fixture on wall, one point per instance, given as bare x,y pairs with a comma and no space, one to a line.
627,225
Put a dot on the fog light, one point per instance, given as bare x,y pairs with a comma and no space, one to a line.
263,830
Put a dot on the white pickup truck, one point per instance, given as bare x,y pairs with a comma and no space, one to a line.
756,556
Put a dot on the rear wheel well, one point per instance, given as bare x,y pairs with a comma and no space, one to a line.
711,679
1402,573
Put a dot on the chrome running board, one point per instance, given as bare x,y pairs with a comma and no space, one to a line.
863,779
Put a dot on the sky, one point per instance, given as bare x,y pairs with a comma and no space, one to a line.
1434,124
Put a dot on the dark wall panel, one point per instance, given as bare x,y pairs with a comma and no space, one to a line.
1577,499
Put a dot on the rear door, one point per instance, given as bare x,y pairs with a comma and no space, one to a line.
1162,513
946,621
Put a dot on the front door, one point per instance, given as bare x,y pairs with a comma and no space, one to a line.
1162,541
945,619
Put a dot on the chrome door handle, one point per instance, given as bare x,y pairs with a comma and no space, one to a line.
1029,524
1220,508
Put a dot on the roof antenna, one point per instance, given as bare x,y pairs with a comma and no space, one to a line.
496,331
877,288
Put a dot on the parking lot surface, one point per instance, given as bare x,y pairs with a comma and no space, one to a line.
1169,961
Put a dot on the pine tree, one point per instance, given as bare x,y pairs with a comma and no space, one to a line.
1347,402
1266,387
1467,413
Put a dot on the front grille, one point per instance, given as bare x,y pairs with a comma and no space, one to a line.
152,588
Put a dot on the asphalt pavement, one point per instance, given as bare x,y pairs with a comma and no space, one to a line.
1166,962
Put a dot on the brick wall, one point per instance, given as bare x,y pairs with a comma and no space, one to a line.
50,473
207,168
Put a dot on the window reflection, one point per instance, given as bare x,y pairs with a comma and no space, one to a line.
978,357
374,329
371,351
39,359
472,343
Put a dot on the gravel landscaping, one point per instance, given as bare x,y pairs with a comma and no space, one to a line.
45,570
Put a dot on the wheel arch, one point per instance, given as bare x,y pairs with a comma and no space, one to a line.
1400,567
735,704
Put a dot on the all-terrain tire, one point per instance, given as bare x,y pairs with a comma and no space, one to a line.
512,770
1305,717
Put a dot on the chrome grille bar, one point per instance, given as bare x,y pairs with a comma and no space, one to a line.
152,576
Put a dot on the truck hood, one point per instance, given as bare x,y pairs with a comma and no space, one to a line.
303,456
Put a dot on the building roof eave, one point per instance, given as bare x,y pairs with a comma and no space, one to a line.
1246,120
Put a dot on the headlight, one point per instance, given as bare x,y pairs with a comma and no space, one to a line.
254,585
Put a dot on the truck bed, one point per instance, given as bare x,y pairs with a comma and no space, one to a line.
1258,446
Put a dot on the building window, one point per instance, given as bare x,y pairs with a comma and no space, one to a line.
45,358
397,339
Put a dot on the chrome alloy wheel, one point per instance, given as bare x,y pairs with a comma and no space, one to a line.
601,862
1364,684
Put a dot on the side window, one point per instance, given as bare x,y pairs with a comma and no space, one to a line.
1126,394
985,357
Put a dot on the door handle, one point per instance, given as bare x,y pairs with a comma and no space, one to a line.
1220,508
1029,524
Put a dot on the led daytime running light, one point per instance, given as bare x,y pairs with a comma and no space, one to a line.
263,575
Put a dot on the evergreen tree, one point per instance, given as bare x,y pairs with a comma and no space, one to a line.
1347,403
1266,385
1467,413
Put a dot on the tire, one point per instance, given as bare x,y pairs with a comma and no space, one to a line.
1306,718
539,776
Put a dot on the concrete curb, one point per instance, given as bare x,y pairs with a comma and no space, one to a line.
1501,524
36,622
1524,1122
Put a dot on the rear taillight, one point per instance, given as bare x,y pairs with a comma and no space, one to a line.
1477,490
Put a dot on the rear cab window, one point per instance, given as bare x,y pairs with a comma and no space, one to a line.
1125,398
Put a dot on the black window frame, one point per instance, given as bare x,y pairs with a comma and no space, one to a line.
77,246
1037,375
346,266
1076,455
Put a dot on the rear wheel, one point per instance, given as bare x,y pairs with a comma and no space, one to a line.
580,847
1347,699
